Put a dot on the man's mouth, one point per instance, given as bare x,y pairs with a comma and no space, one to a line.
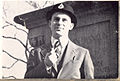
58,29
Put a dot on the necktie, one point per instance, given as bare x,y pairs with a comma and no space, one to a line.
57,47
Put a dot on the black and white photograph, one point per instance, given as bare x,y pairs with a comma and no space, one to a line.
60,39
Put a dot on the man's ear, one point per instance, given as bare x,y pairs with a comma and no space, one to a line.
72,26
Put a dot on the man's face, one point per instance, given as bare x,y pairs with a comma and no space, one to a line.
60,24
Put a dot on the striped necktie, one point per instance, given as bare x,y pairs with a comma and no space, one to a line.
57,47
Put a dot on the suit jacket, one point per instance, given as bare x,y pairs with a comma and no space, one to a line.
77,63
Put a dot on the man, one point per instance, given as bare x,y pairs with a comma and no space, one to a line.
61,58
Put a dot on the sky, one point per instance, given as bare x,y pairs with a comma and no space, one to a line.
11,9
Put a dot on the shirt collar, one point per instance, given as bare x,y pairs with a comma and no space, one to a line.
62,40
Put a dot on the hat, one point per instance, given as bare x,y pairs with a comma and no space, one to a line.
64,8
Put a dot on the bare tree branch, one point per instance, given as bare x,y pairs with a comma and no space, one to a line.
26,49
33,4
26,54
16,27
14,57
45,3
11,65
9,77
4,10
5,26
17,40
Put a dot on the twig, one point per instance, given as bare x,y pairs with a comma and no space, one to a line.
14,57
11,65
4,10
17,40
26,49
9,77
33,4
5,26
16,26
48,3
45,3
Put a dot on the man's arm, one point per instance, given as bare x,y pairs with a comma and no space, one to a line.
36,67
88,66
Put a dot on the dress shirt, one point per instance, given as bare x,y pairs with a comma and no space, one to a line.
63,41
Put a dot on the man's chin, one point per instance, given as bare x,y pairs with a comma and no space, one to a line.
59,32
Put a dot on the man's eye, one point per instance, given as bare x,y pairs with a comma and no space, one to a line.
56,19
64,19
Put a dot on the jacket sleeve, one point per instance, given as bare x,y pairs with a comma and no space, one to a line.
36,67
88,66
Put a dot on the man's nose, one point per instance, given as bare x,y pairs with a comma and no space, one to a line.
60,21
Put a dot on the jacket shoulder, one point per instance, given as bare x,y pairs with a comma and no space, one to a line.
79,48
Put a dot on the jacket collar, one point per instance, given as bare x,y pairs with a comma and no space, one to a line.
70,53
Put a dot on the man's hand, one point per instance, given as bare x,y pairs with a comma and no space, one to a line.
50,58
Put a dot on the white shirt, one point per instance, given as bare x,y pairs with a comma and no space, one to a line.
63,41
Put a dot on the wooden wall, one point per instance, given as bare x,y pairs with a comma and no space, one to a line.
97,31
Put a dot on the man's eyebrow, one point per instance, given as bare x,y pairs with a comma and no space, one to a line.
56,17
64,18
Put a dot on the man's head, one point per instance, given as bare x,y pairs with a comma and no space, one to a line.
61,19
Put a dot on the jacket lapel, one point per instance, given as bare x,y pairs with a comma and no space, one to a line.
70,54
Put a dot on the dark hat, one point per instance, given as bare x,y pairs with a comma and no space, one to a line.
64,8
